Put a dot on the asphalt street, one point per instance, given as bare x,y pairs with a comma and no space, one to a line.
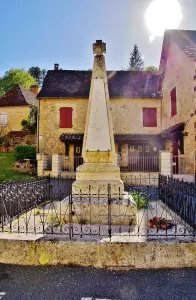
73,283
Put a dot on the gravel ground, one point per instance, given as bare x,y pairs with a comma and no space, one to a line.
72,283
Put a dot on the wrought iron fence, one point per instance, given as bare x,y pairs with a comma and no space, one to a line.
180,197
156,208
20,196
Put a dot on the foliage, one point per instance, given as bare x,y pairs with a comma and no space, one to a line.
151,68
1,140
136,62
7,164
140,200
30,124
38,74
13,77
4,130
52,219
24,152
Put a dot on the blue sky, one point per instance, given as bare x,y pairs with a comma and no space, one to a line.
43,32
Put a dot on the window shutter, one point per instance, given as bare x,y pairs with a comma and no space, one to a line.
69,117
149,117
173,102
66,117
145,117
153,117
3,118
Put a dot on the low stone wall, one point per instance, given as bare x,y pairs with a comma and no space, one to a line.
25,166
143,255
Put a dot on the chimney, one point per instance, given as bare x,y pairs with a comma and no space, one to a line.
34,89
56,67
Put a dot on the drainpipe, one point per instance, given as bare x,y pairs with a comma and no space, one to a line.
38,117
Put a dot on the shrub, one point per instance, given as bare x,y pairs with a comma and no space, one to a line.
140,200
24,152
1,140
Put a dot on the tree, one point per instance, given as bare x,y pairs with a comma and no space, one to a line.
136,62
13,77
30,125
38,74
151,68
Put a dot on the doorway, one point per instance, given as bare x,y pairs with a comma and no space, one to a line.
78,159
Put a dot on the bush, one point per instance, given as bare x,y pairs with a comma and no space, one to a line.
24,152
140,200
1,140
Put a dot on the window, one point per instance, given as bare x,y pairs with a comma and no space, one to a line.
66,117
173,102
149,117
3,118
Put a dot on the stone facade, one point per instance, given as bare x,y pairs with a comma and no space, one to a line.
127,117
49,130
179,73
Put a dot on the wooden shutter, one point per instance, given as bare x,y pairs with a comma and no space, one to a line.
145,117
149,117
173,102
153,117
66,117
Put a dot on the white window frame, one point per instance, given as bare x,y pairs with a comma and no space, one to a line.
3,118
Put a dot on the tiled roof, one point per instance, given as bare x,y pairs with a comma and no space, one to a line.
185,39
76,84
18,96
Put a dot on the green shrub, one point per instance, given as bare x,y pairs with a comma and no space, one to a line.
140,200
24,152
1,140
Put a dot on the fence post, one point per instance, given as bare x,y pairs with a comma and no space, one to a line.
166,163
109,212
70,214
49,194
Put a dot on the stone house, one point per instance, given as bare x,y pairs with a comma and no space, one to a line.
152,113
178,114
136,111
15,106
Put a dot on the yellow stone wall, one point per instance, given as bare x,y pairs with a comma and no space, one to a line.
127,118
180,71
15,115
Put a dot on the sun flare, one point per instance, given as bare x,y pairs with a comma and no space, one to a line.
161,15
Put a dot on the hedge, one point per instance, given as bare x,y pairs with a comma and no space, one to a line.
24,152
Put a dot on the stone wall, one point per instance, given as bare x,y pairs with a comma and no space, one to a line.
127,118
180,71
142,255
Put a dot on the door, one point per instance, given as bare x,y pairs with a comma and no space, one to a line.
175,157
78,160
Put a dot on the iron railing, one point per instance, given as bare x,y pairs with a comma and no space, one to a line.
154,208
138,163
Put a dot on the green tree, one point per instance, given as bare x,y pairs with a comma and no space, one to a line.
13,77
136,62
151,68
30,125
38,74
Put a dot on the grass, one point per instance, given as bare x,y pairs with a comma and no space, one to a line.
6,169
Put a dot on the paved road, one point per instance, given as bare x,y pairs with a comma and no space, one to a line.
73,283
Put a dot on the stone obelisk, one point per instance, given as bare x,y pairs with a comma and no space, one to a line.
100,159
